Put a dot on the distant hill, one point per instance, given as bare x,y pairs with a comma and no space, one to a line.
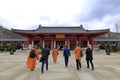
7,34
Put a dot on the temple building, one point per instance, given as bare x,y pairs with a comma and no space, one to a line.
61,36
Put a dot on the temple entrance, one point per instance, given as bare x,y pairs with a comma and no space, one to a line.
72,45
48,43
60,45
84,44
36,42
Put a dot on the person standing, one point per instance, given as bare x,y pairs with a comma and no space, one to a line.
66,54
55,54
31,60
89,57
45,54
77,56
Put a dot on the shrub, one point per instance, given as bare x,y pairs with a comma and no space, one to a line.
12,47
108,48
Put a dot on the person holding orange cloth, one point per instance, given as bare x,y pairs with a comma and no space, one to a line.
77,56
31,61
55,54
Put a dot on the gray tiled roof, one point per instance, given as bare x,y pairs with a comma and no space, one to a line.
13,39
106,39
62,29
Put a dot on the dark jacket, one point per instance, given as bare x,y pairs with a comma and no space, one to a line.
89,55
45,53
66,52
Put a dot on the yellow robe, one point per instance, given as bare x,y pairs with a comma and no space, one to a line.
31,62
77,53
55,54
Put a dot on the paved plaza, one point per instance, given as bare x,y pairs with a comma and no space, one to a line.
13,67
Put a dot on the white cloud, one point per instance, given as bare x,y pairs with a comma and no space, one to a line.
27,14
108,22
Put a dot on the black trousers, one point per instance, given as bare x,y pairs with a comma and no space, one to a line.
91,63
78,64
44,61
66,61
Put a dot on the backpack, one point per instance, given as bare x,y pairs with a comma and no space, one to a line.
32,54
81,53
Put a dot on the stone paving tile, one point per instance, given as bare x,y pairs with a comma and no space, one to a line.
13,67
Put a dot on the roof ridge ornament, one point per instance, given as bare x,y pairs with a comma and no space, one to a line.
81,25
40,26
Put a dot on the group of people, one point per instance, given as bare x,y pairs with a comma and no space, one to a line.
77,51
31,62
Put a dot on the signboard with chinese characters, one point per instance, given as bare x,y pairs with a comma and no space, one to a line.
60,36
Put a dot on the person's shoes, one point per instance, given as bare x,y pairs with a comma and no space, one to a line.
92,68
87,67
77,68
32,69
65,66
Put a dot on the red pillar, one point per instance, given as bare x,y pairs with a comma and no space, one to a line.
41,41
28,42
52,45
92,43
68,43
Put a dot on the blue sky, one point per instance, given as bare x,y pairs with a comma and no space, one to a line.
28,14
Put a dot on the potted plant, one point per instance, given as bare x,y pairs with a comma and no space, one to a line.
79,43
108,48
39,45
12,48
